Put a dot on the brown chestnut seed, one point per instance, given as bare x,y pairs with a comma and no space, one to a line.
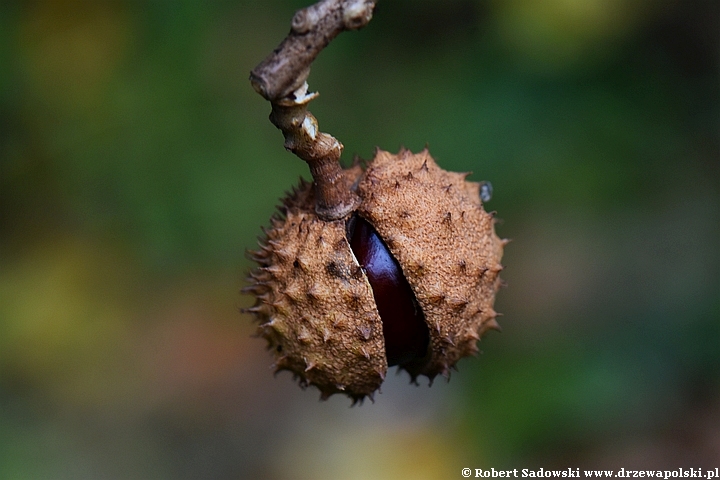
404,330
323,315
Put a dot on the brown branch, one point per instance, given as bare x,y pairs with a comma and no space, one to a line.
282,79
288,66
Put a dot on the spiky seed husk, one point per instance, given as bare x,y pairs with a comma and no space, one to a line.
315,305
435,226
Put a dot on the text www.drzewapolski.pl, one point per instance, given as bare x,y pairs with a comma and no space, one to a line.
577,473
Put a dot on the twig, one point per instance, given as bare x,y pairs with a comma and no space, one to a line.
282,79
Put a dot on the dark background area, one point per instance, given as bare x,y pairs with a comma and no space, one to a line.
137,165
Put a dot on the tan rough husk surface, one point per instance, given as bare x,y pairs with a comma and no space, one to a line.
315,305
433,223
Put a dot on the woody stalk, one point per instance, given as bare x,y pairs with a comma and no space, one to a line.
281,78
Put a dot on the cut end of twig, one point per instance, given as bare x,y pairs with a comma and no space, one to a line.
357,13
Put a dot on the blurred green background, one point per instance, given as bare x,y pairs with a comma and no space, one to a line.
137,165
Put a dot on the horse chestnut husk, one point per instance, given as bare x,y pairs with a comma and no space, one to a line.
409,279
